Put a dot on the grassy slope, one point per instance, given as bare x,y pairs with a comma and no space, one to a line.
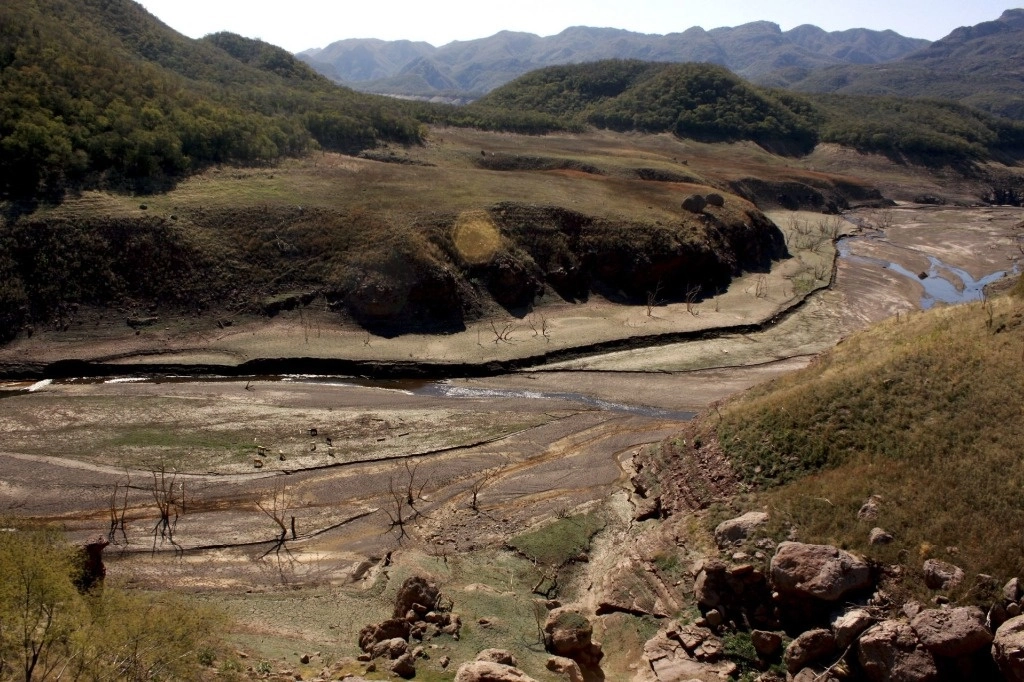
924,411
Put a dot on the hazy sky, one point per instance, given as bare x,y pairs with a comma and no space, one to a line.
300,24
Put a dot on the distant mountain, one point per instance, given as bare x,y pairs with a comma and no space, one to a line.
475,67
981,65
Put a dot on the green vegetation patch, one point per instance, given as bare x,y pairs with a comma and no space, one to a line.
558,543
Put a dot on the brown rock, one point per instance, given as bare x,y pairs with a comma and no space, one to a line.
416,591
715,199
501,656
565,666
809,646
694,203
389,648
869,510
818,571
952,632
890,652
567,633
848,626
739,528
389,629
404,666
1012,590
879,536
488,671
766,643
1008,649
939,575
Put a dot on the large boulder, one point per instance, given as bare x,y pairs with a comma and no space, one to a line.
1008,649
940,575
565,667
390,629
567,633
890,652
489,671
808,647
818,571
501,656
734,530
952,632
416,592
694,203
390,649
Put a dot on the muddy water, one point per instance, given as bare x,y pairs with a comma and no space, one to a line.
942,282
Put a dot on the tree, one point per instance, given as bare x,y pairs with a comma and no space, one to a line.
40,609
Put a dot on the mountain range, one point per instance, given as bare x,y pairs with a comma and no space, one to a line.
474,67
978,65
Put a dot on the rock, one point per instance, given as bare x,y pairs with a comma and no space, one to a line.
565,666
869,510
670,662
848,626
714,618
304,660
818,571
815,674
567,633
952,632
444,662
739,528
1012,590
389,629
997,615
715,199
939,575
93,571
1008,649
890,652
912,608
879,536
389,648
809,646
767,644
502,656
416,591
404,666
1013,610
488,671
694,203
710,584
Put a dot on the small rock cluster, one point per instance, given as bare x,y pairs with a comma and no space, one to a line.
420,615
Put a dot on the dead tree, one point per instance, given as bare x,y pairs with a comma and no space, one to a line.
503,334
479,484
401,509
118,510
170,497
277,510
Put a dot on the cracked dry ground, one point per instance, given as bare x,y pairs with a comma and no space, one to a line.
528,459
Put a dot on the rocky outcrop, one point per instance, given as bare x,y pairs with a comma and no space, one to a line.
940,575
738,592
817,571
1008,649
952,632
568,632
890,652
416,594
488,671
629,588
676,654
738,529
850,625
808,647
565,666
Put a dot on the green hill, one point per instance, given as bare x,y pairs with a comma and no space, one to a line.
923,411
99,92
708,103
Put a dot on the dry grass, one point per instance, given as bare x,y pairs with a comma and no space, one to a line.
925,412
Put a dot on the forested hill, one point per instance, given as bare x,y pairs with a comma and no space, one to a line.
708,103
101,92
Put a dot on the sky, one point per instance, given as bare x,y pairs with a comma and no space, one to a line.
298,25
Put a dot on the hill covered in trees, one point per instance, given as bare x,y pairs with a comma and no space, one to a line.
708,103
101,92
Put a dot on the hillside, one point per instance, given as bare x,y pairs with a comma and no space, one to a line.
976,65
474,67
708,103
126,101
